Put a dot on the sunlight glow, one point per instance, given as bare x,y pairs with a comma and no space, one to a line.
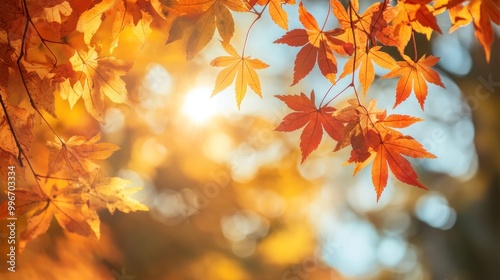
198,106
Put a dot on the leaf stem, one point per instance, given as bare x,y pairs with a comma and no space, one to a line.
351,10
259,15
414,45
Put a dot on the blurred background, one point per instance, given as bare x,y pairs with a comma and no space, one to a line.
229,199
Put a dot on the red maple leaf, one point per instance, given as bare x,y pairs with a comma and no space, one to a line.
314,119
317,45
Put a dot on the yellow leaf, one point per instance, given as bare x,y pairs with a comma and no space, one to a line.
114,193
243,68
98,77
91,20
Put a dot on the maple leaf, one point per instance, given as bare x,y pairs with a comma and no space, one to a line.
316,46
239,67
314,119
367,71
372,136
415,16
484,13
372,25
78,154
136,14
97,77
90,21
114,193
389,152
414,76
398,121
344,17
205,17
481,13
66,204
276,11
359,123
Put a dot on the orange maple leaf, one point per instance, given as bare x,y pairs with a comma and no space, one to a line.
412,16
367,71
66,204
372,136
314,119
413,77
371,25
316,46
239,67
389,151
73,204
482,13
205,17
398,121
78,154
276,11
359,123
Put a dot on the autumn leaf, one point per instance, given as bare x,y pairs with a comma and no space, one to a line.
77,156
367,71
414,76
73,204
484,13
97,77
204,17
389,152
359,124
90,21
314,119
373,25
276,11
316,46
135,14
481,13
399,121
344,18
114,194
66,204
412,16
373,138
240,68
